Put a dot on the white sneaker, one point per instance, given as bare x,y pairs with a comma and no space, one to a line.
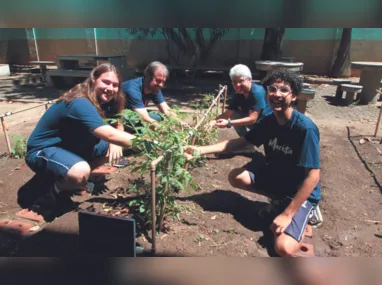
315,218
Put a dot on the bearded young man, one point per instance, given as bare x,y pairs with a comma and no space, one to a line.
291,174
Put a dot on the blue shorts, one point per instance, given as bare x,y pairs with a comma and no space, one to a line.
56,161
260,180
299,221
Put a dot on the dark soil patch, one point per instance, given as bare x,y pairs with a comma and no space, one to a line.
219,220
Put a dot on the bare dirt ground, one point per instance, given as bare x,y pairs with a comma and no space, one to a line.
221,220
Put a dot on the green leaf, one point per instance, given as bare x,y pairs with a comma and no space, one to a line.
177,139
187,180
178,183
179,171
164,179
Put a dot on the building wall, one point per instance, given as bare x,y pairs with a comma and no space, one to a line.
365,50
315,47
14,46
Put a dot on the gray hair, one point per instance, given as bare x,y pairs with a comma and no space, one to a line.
240,70
153,67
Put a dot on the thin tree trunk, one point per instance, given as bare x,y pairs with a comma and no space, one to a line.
342,62
273,43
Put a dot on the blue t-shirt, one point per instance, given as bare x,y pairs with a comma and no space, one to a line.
68,126
289,150
256,100
135,98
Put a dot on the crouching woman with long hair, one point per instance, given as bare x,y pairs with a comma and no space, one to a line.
72,135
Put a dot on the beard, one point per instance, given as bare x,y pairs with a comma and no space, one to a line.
154,89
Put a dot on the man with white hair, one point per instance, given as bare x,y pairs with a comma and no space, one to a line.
249,103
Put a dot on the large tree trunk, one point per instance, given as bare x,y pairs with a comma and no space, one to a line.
273,43
342,63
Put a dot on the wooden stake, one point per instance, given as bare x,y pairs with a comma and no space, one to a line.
209,109
6,135
163,207
15,112
218,106
153,212
192,143
225,98
379,118
153,202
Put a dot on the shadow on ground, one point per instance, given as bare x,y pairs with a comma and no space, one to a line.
336,102
180,90
32,92
36,187
51,243
243,210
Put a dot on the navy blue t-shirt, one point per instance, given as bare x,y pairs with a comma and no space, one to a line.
68,126
135,99
256,100
289,150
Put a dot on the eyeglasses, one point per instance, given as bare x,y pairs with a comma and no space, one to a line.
240,81
284,90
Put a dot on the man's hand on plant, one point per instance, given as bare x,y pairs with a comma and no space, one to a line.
221,123
190,152
280,223
154,125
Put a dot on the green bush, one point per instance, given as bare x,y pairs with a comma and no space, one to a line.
19,146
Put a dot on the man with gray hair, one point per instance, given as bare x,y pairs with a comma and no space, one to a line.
140,91
249,103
